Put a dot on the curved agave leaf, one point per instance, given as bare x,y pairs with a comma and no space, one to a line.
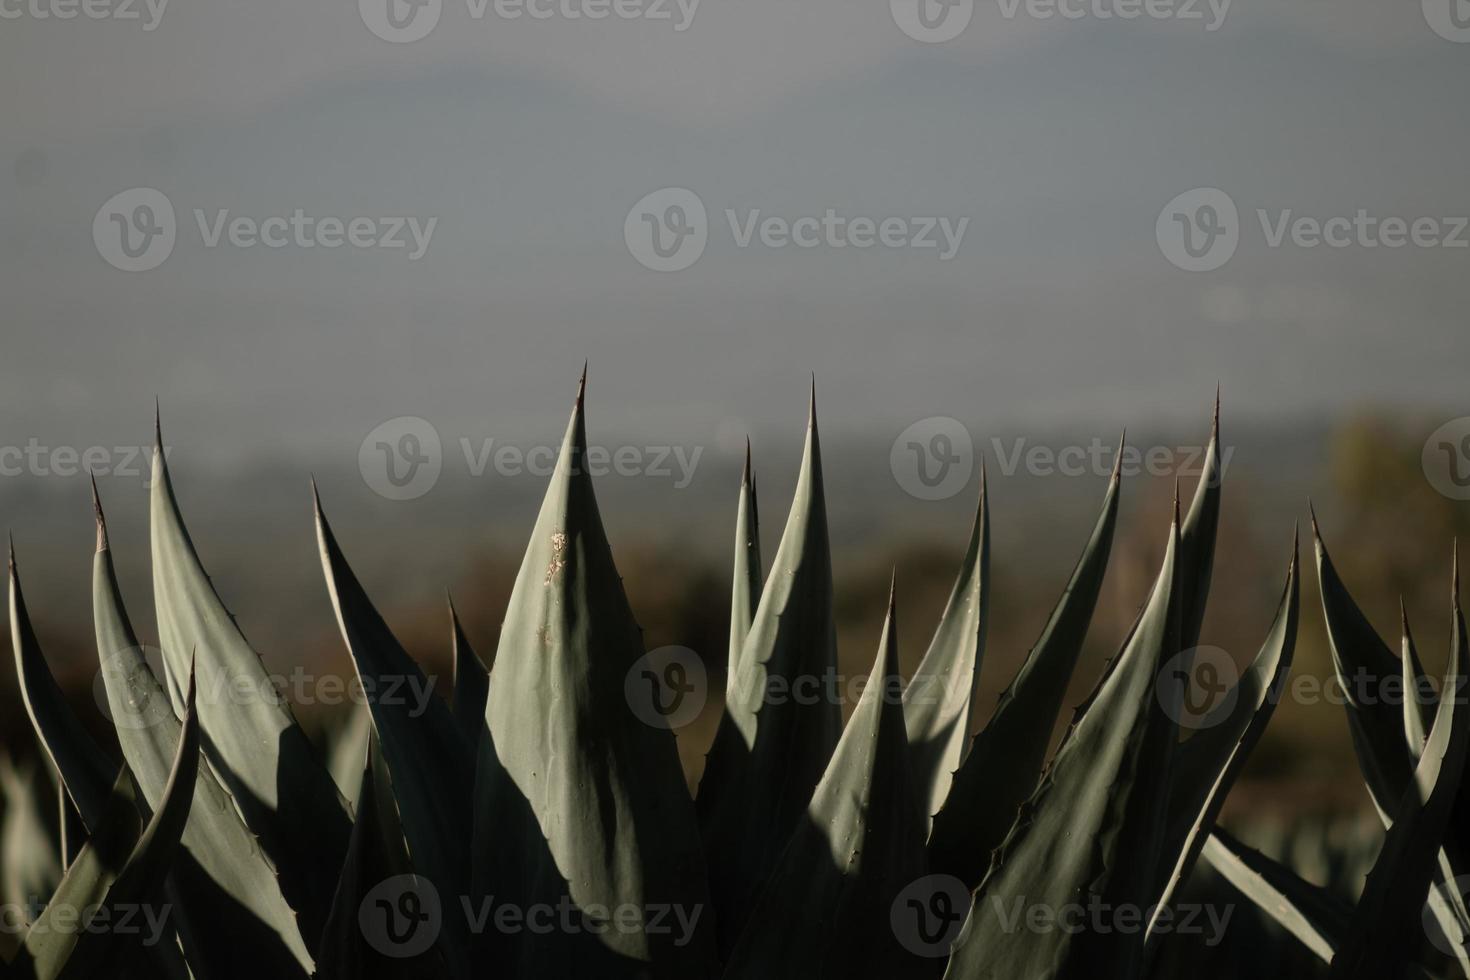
85,769
1197,539
259,752
1006,758
1091,831
123,865
939,703
1363,664
576,796
1311,913
745,592
1210,760
348,745
29,866
1387,920
1418,695
769,753
423,749
224,882
471,685
376,856
826,909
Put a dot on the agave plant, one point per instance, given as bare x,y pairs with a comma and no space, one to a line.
534,788
1413,767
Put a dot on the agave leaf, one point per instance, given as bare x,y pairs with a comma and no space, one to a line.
1005,759
1311,913
1387,921
1418,695
471,685
1210,760
123,865
377,855
85,769
770,752
221,878
826,910
575,794
259,752
1364,665
1091,830
347,747
745,592
1197,539
30,868
423,749
939,702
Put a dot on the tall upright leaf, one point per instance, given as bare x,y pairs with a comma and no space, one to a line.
826,911
235,921
611,825
939,702
775,738
745,588
471,684
262,756
85,768
1197,538
1418,695
1005,759
1089,835
424,751
1386,924
1213,756
121,867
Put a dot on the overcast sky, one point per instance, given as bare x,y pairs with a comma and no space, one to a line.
1046,147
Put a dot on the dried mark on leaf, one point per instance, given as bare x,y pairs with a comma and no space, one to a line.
558,555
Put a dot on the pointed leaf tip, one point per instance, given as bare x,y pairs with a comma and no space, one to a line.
100,518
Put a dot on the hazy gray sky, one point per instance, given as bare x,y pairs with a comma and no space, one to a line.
1056,141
